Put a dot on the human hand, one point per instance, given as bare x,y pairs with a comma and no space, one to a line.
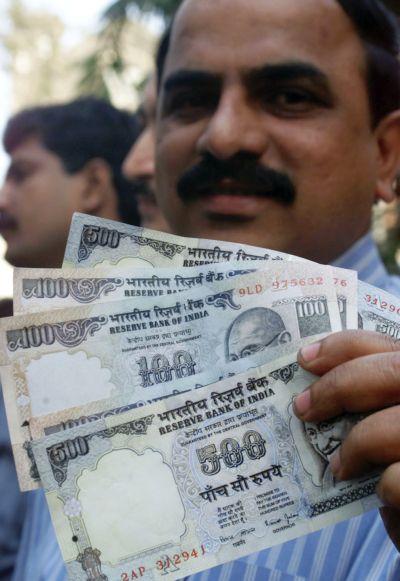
359,372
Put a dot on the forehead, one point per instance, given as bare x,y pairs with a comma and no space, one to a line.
149,101
30,148
231,35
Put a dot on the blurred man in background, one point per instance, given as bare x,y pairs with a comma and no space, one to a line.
64,159
139,166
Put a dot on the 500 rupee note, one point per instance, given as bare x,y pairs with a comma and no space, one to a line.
192,482
96,242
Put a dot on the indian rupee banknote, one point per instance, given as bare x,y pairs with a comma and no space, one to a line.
124,352
378,311
194,481
38,290
44,289
345,282
97,242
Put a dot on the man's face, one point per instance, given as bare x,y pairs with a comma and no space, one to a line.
139,164
37,201
266,85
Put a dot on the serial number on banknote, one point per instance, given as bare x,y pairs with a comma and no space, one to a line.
282,284
166,563
383,305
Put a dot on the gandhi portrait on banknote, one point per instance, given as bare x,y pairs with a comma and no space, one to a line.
253,331
322,440
325,438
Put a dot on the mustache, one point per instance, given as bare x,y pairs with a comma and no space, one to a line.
7,221
245,170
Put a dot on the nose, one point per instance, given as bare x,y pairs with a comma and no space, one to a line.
236,126
139,163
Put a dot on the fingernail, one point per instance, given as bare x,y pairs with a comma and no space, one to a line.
310,352
335,463
302,403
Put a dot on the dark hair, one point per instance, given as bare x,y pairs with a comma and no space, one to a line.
78,131
378,28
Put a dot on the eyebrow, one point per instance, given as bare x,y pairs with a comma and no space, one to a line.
267,74
289,71
187,78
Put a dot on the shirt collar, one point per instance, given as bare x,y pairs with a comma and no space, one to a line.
364,257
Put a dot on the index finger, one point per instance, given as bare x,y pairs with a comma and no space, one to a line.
338,348
362,385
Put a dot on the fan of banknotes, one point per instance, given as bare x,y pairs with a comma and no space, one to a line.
149,388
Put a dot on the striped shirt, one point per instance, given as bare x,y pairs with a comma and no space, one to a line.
12,501
354,550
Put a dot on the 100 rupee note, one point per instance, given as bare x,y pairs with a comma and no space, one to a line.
38,290
345,282
117,351
44,289
195,481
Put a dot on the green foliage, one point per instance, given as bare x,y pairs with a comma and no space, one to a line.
119,8
92,78
108,55
387,227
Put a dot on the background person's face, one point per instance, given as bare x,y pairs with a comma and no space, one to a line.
139,164
36,204
283,82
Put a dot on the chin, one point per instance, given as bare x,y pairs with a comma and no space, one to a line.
238,231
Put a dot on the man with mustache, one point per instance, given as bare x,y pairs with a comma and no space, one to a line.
294,109
279,126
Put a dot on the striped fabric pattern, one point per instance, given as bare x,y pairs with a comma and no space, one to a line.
355,550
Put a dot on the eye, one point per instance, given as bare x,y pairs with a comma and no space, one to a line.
18,175
189,105
291,101
250,349
185,102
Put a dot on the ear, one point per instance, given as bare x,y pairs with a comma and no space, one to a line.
98,185
388,139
